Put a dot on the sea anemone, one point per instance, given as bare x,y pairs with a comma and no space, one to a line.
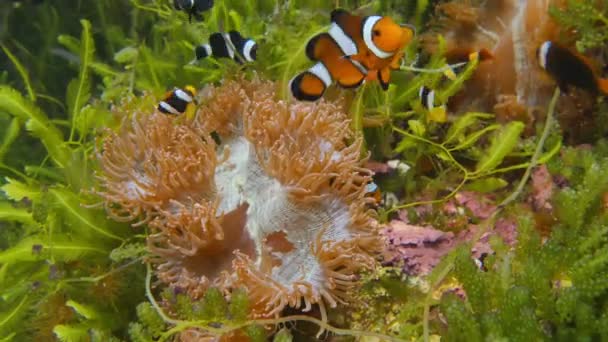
253,193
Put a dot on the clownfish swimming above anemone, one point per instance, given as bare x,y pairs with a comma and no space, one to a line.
354,50
228,45
568,68
178,101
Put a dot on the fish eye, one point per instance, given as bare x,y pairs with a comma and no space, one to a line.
376,33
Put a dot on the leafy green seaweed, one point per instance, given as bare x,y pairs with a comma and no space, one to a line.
588,19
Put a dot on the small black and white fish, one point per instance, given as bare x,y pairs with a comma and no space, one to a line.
373,191
427,98
568,68
178,101
228,45
193,7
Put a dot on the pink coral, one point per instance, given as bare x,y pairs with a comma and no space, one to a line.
419,249
542,188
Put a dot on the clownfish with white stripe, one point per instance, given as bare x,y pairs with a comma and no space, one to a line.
178,101
372,191
436,112
354,50
193,7
228,45
568,68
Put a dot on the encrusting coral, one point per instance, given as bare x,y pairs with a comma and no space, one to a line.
253,193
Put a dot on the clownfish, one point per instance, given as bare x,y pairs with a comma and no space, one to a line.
355,49
373,191
193,7
224,45
436,113
178,101
427,97
569,69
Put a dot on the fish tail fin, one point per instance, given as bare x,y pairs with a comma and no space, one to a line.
306,86
384,76
602,84
202,51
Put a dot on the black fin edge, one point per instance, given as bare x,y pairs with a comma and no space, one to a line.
298,94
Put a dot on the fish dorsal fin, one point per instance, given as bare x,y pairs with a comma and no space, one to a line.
236,38
350,25
337,14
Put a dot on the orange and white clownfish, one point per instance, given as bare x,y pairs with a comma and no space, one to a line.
355,49
373,191
569,69
224,45
178,101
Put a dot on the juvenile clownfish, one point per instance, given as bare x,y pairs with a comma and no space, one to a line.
193,7
427,98
569,69
373,191
178,101
224,45
355,49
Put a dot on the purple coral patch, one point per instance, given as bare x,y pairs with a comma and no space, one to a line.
417,249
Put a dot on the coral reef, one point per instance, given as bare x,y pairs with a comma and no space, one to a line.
277,205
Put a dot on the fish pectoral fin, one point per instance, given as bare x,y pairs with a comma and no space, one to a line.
190,111
307,86
396,61
384,76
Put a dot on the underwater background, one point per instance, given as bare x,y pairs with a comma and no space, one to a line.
479,213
